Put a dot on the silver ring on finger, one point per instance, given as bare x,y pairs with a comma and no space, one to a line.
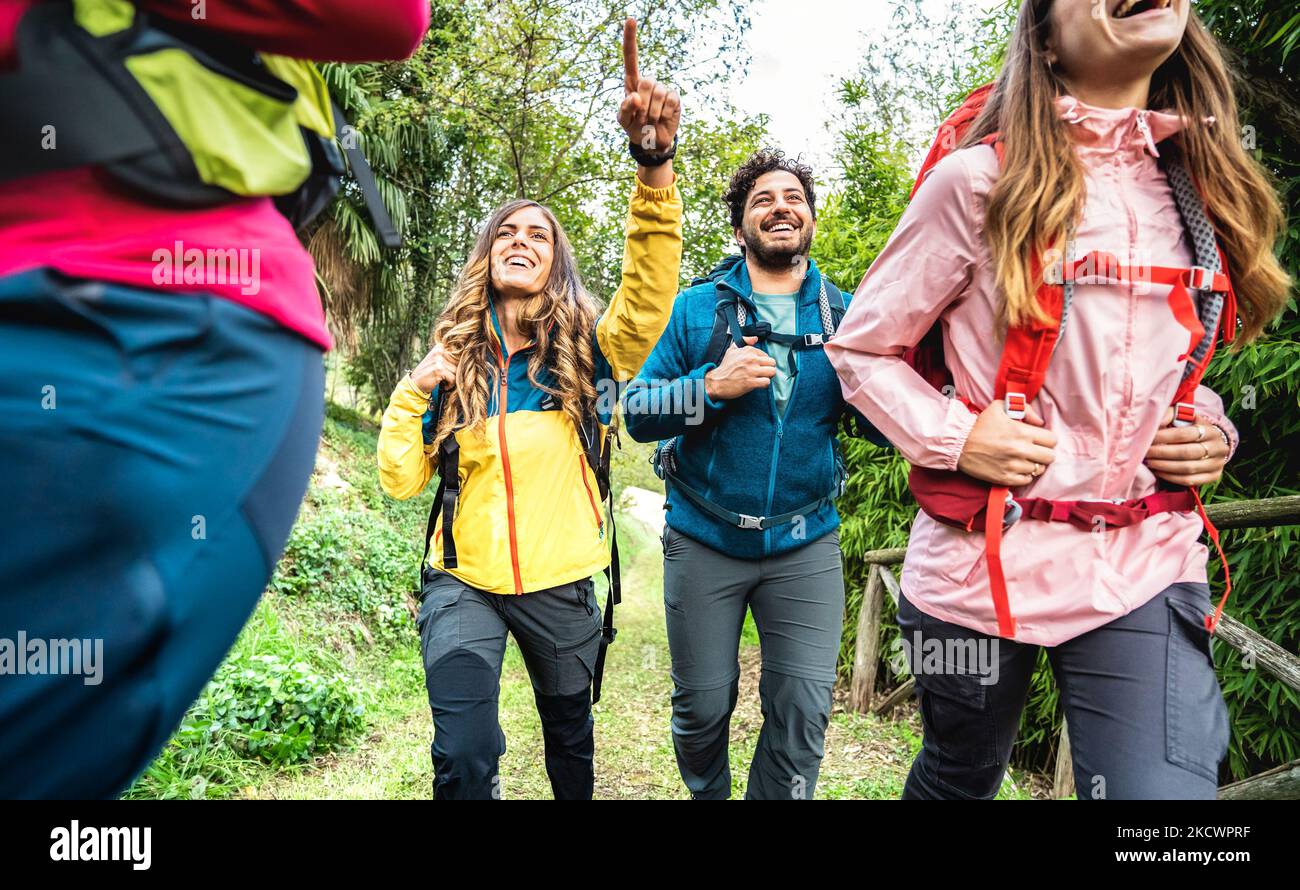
1200,432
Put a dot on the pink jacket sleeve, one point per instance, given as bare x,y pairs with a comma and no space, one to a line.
1210,406
927,264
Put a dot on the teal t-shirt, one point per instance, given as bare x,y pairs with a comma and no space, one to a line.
781,311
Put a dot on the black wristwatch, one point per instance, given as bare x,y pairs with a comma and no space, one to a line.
646,159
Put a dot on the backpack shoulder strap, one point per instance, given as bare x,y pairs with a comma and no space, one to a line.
952,131
830,302
1216,310
598,450
1028,349
444,501
927,357
729,327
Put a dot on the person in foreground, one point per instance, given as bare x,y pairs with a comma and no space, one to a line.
506,407
1064,262
747,406
158,418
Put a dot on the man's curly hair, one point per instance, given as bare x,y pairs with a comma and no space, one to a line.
762,162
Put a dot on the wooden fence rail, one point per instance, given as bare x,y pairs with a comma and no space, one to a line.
1280,783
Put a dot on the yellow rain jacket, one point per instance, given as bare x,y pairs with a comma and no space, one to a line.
529,515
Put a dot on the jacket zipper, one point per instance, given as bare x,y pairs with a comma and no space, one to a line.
502,397
779,417
591,498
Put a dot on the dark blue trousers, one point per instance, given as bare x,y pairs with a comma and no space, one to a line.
1146,718
154,450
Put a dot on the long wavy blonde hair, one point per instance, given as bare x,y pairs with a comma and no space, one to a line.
559,319
1039,193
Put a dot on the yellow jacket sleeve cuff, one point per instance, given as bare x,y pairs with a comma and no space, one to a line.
663,195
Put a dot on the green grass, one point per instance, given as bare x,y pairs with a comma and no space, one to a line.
338,606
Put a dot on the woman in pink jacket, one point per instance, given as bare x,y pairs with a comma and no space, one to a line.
1094,105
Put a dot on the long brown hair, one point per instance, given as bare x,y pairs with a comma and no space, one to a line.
559,319
1040,190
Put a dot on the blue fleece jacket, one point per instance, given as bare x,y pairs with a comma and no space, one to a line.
739,453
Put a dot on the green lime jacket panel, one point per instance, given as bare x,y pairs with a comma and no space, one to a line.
242,130
240,138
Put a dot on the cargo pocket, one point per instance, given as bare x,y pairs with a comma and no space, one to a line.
1196,717
960,726
575,663
437,621
955,705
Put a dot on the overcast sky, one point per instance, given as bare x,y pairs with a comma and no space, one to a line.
800,50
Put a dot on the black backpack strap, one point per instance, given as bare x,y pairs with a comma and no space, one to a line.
444,500
444,506
608,631
449,460
731,325
598,450
797,341
745,520
729,328
365,178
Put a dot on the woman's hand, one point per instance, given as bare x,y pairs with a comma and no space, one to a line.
433,370
650,113
1188,455
1007,452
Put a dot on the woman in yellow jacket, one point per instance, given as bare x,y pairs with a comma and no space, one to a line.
520,383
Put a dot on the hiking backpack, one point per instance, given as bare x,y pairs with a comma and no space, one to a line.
178,113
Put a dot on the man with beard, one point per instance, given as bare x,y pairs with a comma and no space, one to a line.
745,405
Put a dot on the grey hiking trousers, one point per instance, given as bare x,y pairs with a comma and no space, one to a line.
463,640
797,599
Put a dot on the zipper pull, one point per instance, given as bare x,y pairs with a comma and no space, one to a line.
1145,129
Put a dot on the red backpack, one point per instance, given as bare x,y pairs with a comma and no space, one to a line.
959,500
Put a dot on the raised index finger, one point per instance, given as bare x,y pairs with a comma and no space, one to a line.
631,77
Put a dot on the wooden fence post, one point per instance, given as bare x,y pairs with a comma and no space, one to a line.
866,654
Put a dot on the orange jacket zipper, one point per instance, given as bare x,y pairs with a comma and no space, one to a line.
600,520
502,393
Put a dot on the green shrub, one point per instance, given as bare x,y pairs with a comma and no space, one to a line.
277,711
353,560
276,699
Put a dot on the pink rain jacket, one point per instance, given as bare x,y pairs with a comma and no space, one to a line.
1107,388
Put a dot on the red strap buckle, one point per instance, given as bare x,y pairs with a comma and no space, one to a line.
1016,405
1184,414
